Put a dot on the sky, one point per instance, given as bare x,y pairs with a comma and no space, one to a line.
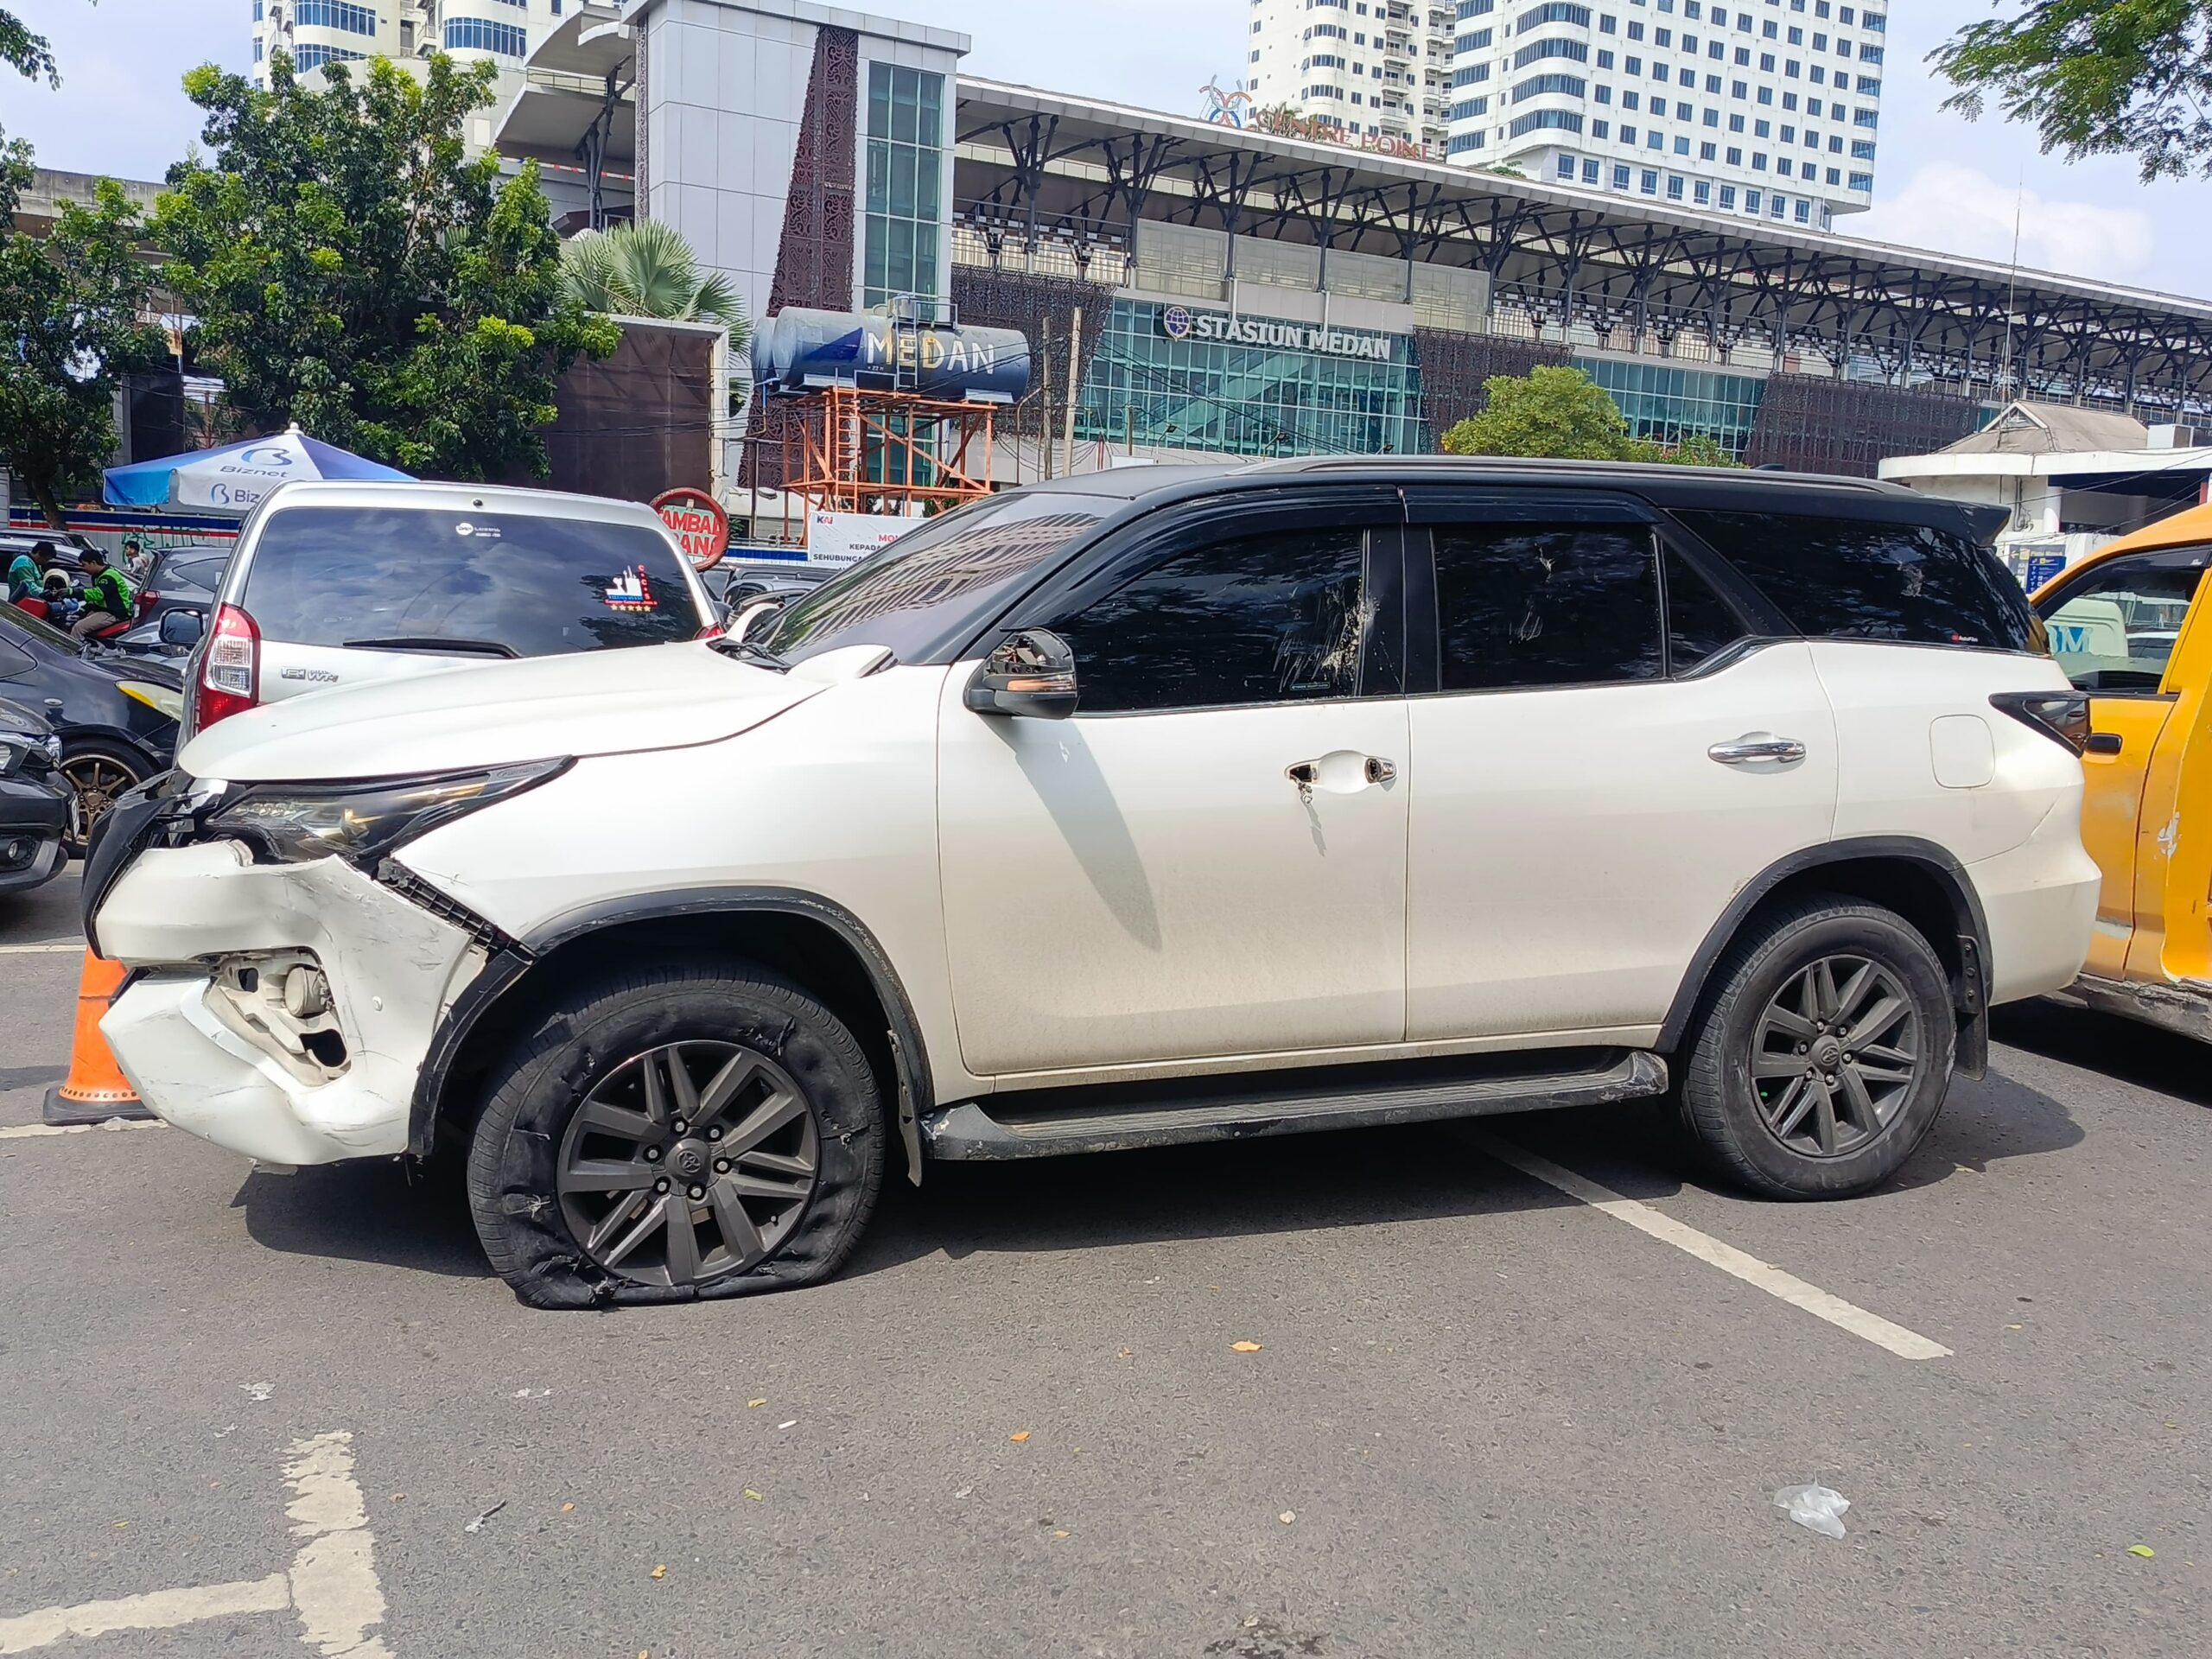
1941,182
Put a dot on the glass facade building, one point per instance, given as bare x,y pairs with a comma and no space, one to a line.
1669,404
1166,374
903,232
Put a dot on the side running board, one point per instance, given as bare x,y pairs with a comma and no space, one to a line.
1045,1122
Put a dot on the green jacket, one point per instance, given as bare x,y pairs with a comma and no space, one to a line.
111,591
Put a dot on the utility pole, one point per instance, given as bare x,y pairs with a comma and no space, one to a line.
1043,350
1075,381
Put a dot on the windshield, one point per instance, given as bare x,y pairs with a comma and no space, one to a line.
934,580
538,586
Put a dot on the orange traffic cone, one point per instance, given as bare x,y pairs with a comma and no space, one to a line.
96,1090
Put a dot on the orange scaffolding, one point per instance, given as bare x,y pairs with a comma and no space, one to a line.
850,450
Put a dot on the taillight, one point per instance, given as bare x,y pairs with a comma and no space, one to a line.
230,669
712,630
2061,717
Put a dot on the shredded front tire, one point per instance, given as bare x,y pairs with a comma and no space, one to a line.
675,1134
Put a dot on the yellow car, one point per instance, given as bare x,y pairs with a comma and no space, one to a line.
2128,624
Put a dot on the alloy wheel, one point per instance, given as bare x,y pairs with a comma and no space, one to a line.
1835,1055
688,1162
96,781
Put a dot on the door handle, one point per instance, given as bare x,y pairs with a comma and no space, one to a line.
1340,772
1757,746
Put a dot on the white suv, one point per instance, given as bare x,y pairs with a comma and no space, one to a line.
336,584
1156,805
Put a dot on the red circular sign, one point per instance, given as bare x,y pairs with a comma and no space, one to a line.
700,525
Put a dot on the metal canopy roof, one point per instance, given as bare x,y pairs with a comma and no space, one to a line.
550,123
590,41
1089,172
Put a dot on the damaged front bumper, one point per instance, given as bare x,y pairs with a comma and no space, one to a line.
282,1010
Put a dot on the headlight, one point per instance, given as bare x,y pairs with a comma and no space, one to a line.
293,823
14,745
159,698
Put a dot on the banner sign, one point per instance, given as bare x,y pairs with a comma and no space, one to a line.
841,538
700,525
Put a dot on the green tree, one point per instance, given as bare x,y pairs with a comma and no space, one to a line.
2094,77
1553,412
74,305
647,269
350,269
1696,449
28,55
1562,414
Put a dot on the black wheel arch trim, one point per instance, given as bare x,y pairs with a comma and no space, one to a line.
1972,996
506,968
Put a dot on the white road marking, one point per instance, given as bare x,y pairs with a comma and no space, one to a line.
1846,1316
42,948
40,1131
161,1610
332,1584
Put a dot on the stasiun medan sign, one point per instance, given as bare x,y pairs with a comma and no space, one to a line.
1178,322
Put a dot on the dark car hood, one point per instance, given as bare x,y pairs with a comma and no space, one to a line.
21,717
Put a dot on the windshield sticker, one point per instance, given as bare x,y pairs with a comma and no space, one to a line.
630,591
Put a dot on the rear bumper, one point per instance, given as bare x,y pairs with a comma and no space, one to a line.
2040,900
218,1064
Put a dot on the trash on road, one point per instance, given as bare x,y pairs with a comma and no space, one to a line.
1244,1347
659,1573
259,1391
2143,1550
477,1525
1819,1509
1020,1438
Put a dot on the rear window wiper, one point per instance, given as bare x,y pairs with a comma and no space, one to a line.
753,652
436,642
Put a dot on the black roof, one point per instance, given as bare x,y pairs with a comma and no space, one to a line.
1717,486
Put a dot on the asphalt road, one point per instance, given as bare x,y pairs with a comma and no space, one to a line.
1485,1417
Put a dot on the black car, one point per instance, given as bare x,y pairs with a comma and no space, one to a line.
115,715
35,809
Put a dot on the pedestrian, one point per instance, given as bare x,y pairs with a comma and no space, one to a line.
27,573
136,560
109,599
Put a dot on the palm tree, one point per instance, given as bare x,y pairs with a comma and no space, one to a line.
645,269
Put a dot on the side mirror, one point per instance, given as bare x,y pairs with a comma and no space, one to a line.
182,627
749,614
1031,672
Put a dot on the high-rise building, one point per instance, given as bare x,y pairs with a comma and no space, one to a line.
1765,108
1375,70
316,32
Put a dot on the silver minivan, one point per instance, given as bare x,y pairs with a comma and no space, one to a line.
346,584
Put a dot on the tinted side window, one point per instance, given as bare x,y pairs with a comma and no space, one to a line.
1531,605
200,573
337,575
1699,621
1262,618
2113,630
1860,579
